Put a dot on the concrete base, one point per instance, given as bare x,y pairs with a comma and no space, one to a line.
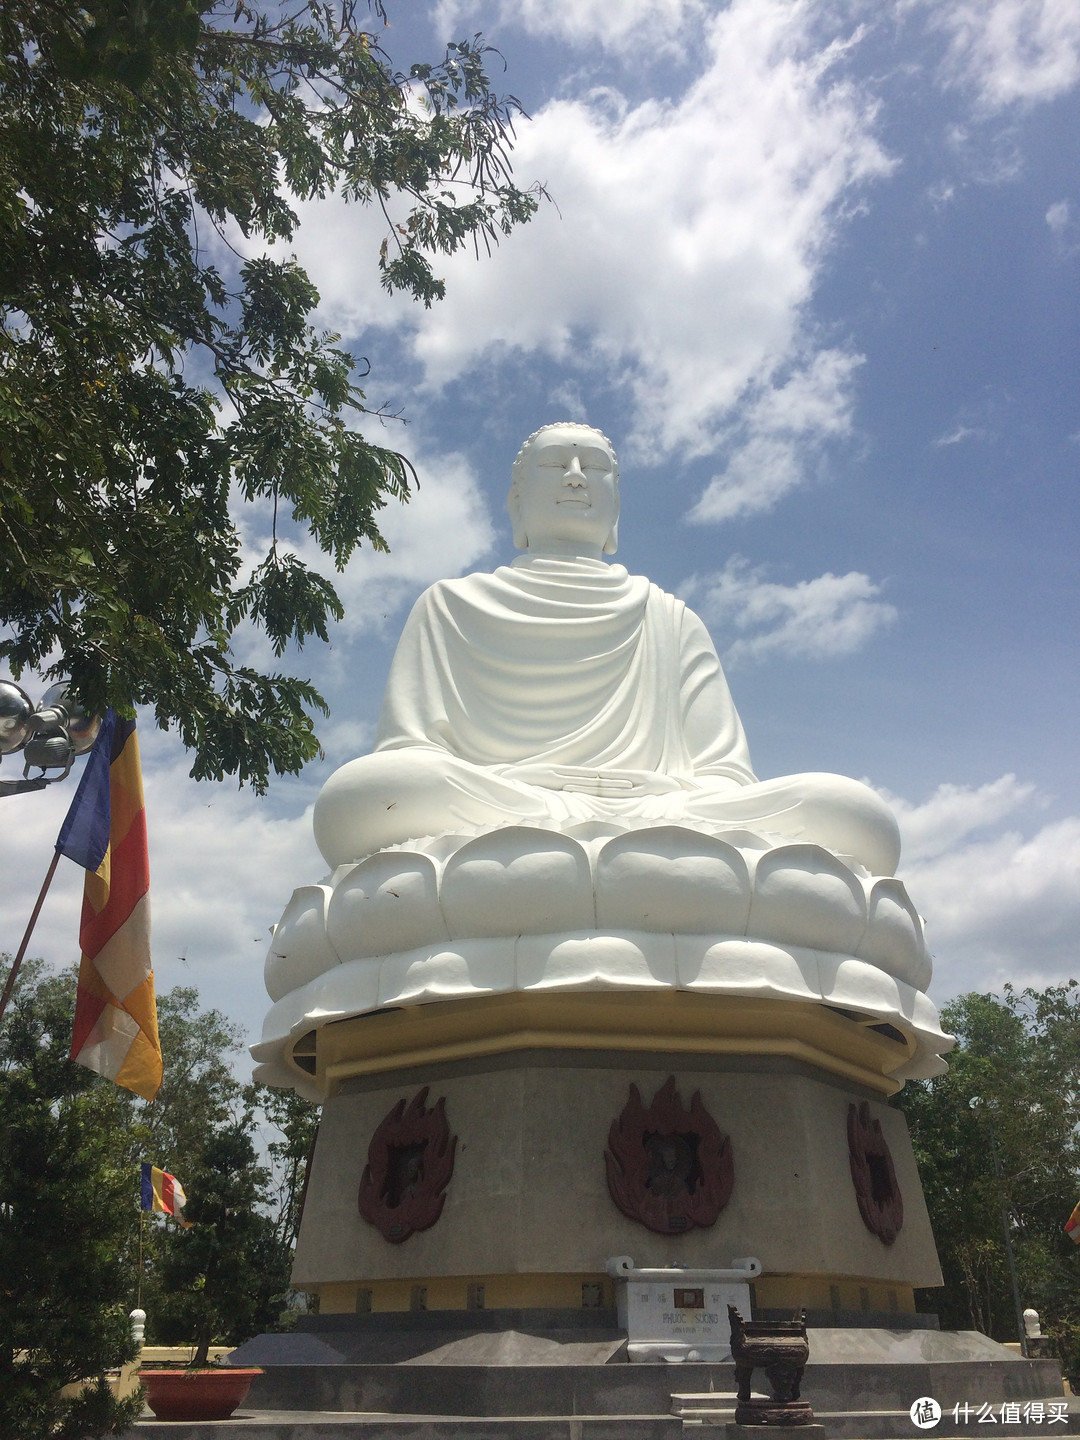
528,1216
847,1370
861,1385
444,1338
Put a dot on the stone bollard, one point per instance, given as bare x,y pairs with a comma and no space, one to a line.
1037,1346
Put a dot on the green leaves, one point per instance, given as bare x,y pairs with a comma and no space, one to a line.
229,1274
289,601
65,1205
1018,1059
147,385
70,1148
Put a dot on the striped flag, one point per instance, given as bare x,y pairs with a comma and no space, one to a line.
161,1191
1072,1226
116,1030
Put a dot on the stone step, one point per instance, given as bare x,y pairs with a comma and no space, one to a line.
339,1425
877,1424
704,1417
544,1390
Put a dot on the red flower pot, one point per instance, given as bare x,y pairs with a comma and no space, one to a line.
196,1394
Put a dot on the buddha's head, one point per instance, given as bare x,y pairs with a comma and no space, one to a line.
564,492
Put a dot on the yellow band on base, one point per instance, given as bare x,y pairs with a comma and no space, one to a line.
669,1022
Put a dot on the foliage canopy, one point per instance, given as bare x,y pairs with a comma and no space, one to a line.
71,1145
63,1316
147,396
1018,1059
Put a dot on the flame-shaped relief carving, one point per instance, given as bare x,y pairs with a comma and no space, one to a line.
410,1162
668,1167
880,1203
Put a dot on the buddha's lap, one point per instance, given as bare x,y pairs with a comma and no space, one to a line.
398,795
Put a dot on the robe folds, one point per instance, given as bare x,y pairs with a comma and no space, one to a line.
560,691
563,662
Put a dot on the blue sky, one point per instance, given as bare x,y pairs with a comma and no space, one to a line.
814,269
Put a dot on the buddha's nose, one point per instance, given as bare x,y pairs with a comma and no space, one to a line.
573,474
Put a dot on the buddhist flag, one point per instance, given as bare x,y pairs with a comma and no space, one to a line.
1072,1226
161,1191
116,1030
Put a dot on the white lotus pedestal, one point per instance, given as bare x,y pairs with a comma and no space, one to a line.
537,1050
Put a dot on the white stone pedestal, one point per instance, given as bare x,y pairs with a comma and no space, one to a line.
678,1314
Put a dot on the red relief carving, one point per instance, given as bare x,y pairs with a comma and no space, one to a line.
880,1203
410,1162
668,1167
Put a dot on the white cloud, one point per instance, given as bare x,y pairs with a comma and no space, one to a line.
445,528
954,812
780,432
957,434
681,254
1064,227
999,905
656,24
1057,217
1009,51
941,194
816,619
1004,908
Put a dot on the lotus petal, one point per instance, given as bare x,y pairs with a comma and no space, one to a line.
673,880
595,962
805,896
746,967
480,967
300,949
894,936
388,902
517,881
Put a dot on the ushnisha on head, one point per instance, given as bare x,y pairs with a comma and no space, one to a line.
564,492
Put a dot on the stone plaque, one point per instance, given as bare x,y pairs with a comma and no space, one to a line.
657,1322
677,1314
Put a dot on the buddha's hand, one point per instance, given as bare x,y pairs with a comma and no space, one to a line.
583,780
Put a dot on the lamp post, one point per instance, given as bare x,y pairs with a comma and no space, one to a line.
50,735
976,1104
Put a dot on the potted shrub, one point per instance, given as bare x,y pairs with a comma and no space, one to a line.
197,1394
221,1280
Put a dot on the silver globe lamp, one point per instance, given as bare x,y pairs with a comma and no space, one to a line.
49,735
16,708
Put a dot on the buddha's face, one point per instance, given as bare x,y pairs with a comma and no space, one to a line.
567,501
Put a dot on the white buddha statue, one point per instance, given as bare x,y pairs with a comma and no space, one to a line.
561,689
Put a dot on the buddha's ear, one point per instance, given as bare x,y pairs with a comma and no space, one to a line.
521,540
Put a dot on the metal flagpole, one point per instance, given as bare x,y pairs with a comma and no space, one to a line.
10,986
142,1228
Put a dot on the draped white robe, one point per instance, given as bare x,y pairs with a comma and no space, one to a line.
565,662
556,691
